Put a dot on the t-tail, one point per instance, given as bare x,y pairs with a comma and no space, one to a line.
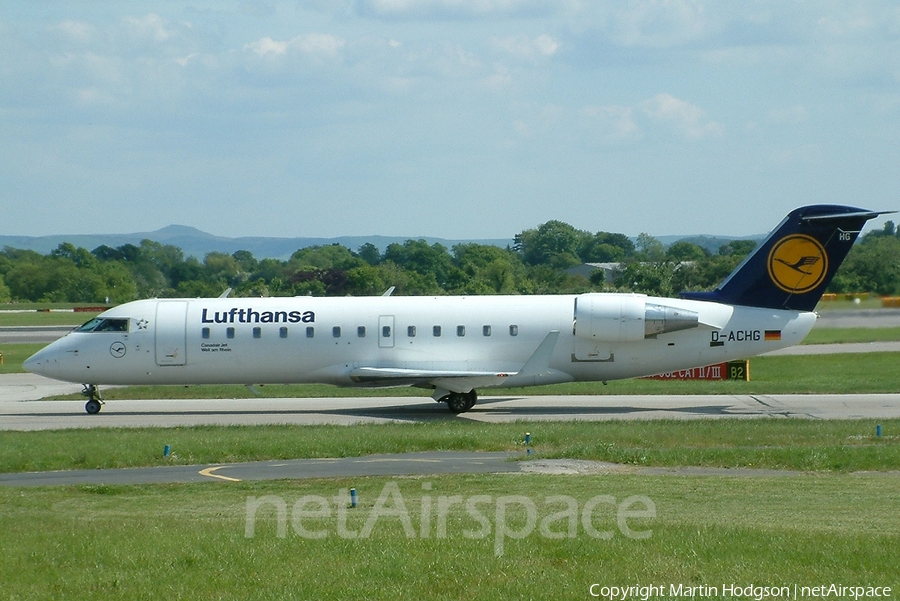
794,265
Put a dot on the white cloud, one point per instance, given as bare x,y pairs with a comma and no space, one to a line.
320,44
523,46
685,117
77,31
615,122
655,23
267,45
446,8
150,26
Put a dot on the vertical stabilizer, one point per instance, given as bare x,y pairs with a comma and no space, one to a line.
796,262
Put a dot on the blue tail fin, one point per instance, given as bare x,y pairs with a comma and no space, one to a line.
795,263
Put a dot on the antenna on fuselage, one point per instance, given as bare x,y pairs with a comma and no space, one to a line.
226,293
389,291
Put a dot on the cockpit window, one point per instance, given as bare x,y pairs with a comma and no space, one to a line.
104,325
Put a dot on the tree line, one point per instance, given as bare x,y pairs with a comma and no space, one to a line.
536,263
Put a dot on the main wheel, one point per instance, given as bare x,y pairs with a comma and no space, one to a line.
460,402
92,406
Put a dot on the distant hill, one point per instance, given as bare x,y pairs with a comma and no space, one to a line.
198,243
710,243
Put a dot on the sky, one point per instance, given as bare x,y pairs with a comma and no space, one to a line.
460,119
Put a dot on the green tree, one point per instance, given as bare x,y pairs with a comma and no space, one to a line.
649,248
871,266
369,253
164,256
332,256
366,280
487,269
222,269
553,243
652,278
5,294
432,262
80,257
739,248
606,247
683,251
245,260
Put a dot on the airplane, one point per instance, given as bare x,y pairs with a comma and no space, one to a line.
453,345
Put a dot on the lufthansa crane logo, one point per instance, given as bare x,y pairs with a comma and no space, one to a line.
117,349
798,263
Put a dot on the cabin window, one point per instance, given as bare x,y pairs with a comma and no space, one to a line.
513,330
460,331
257,332
436,330
336,331
411,331
486,330
229,332
310,332
204,333
89,326
386,331
105,325
361,331
112,325
282,332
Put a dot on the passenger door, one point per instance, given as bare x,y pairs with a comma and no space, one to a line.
171,333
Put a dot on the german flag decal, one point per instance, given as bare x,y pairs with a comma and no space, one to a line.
773,335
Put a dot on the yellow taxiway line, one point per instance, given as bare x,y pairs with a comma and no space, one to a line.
209,472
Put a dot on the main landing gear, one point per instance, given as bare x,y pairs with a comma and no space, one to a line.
460,402
94,401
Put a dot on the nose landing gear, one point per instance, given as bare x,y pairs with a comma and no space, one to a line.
94,401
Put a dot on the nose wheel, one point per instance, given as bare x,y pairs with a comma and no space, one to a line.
95,403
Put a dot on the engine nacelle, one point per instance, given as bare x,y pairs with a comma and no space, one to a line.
627,318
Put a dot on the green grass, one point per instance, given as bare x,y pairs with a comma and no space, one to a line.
15,354
188,541
866,301
795,444
35,318
845,335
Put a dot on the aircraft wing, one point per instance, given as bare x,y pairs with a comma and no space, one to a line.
457,380
393,376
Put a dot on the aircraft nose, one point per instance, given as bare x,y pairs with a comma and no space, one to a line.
42,363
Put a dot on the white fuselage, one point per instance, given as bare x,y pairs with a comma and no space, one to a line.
312,339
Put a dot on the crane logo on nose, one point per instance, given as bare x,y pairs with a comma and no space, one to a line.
117,349
798,263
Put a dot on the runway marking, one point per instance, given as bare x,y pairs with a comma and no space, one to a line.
209,473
